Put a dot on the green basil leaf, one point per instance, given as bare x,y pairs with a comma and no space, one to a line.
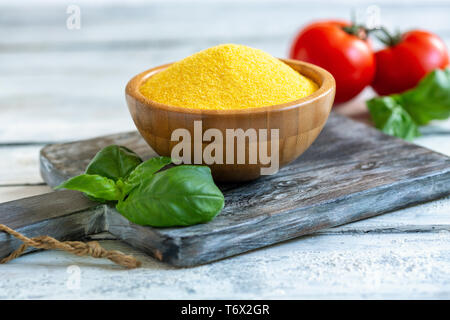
95,186
389,116
430,99
114,162
179,196
144,171
401,114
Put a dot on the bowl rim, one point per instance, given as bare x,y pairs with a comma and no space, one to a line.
327,86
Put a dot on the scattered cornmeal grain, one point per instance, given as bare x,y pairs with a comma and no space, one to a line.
225,77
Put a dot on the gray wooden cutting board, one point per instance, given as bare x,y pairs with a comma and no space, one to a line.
350,173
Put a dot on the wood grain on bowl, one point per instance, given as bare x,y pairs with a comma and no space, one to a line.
299,122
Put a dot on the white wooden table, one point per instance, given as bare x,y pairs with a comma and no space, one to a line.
60,85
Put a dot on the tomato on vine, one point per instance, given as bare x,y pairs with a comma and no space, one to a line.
343,49
407,59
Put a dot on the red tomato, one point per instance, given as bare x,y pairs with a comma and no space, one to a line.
346,55
402,65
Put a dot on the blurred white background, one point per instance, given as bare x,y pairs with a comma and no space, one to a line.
59,84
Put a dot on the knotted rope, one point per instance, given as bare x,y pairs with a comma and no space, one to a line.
78,248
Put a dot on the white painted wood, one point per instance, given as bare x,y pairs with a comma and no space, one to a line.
182,22
18,192
62,80
370,266
436,136
19,165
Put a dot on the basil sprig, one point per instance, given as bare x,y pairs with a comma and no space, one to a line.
401,114
179,196
95,186
114,162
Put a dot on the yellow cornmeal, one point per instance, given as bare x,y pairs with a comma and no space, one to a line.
227,76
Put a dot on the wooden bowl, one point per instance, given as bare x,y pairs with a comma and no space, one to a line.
299,122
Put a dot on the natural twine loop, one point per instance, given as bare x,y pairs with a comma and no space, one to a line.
78,248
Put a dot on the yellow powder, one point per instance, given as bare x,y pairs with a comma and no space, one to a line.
227,76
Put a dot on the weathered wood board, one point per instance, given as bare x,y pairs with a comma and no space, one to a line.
350,173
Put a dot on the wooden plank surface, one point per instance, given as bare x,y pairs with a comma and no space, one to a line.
342,178
329,266
21,191
19,164
64,215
